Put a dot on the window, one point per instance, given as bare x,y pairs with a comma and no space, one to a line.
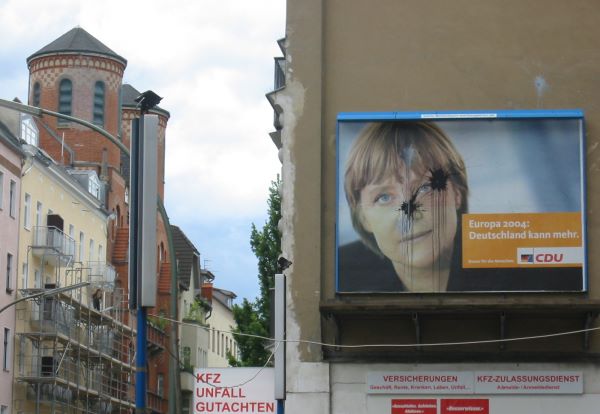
65,97
37,279
187,357
99,103
160,385
9,270
91,252
94,185
38,214
81,245
185,403
25,276
27,212
213,339
5,353
12,199
22,350
3,409
37,94
101,257
29,131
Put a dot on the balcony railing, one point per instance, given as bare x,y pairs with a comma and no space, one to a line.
101,273
52,241
156,339
59,367
156,402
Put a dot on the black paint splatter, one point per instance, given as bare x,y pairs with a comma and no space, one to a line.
439,179
410,207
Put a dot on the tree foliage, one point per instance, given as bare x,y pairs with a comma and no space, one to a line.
255,317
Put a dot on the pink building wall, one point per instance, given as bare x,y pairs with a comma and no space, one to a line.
10,169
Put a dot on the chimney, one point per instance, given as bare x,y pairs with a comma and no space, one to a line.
207,291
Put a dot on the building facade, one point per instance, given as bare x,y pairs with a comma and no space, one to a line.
72,349
193,308
347,59
77,75
10,191
221,324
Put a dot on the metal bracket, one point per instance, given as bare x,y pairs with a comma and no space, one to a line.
502,345
589,319
416,321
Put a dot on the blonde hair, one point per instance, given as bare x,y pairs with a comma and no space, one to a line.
383,149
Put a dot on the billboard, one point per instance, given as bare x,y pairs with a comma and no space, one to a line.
461,202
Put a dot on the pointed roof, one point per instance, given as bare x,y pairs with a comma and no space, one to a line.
77,40
8,138
186,253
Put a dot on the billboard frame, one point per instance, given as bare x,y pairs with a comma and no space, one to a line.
365,117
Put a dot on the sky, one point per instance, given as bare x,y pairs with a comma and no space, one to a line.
212,62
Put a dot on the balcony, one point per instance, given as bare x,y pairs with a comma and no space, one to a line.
101,274
188,381
156,339
51,244
156,403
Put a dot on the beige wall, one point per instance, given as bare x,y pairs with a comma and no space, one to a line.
220,343
411,55
60,194
194,333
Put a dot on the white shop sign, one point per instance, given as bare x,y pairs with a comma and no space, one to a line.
480,382
528,382
422,382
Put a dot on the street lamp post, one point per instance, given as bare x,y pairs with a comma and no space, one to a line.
40,112
46,293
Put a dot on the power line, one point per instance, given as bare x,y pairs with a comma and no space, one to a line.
304,341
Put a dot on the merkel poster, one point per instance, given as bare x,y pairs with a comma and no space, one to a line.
462,202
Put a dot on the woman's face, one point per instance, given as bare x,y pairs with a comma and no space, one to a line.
412,217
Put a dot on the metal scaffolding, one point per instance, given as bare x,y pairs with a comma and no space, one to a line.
73,350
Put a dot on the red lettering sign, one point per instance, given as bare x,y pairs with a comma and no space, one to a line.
209,378
465,405
549,258
413,406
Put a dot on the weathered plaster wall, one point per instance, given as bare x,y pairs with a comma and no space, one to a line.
386,55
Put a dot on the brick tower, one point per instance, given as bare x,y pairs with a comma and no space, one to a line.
78,75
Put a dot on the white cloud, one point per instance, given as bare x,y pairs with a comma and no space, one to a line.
212,60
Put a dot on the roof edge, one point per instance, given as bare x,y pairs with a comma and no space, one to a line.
114,57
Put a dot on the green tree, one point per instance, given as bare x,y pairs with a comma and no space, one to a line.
255,317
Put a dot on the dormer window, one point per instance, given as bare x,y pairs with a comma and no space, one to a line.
94,185
99,103
29,131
